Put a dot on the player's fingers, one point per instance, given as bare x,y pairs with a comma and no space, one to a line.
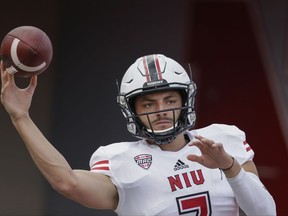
33,84
10,77
195,158
2,65
204,140
3,74
196,143
33,80
198,137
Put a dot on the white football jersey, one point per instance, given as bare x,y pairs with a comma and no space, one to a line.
155,182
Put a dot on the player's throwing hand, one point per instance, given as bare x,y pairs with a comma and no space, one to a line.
16,101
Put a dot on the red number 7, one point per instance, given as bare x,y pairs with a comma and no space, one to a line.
198,203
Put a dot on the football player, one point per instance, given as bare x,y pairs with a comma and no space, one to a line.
172,168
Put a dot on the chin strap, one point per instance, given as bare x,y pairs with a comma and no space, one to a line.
162,137
159,131
163,131
251,195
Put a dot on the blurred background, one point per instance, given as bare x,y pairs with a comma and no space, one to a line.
237,50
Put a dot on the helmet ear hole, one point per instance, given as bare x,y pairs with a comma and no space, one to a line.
184,96
131,102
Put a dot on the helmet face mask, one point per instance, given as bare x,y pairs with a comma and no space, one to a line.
151,74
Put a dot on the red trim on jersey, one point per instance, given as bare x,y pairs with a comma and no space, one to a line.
158,66
248,147
100,168
103,162
146,69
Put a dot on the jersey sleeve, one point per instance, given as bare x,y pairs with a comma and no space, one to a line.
235,143
100,162
233,140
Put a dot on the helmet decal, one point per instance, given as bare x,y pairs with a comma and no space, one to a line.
152,68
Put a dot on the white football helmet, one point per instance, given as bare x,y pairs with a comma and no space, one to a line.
153,73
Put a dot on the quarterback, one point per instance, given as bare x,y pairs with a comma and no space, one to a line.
172,168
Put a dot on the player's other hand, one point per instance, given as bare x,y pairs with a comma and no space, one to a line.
212,155
16,101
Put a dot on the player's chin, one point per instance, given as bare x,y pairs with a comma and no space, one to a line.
162,127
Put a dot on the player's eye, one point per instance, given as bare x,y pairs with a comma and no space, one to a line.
147,105
171,101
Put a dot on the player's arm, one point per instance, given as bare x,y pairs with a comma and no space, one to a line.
251,195
87,188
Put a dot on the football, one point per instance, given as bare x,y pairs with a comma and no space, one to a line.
26,51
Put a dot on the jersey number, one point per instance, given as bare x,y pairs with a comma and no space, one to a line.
198,203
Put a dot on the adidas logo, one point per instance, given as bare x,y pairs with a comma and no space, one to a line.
180,165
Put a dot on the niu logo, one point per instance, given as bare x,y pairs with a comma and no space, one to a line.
180,181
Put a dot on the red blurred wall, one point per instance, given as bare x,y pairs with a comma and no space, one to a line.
233,86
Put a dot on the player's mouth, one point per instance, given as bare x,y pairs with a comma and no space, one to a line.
162,124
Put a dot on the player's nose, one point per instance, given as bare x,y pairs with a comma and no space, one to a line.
159,108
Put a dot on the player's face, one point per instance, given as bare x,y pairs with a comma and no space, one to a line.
157,102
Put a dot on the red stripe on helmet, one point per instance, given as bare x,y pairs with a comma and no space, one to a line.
158,67
146,69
